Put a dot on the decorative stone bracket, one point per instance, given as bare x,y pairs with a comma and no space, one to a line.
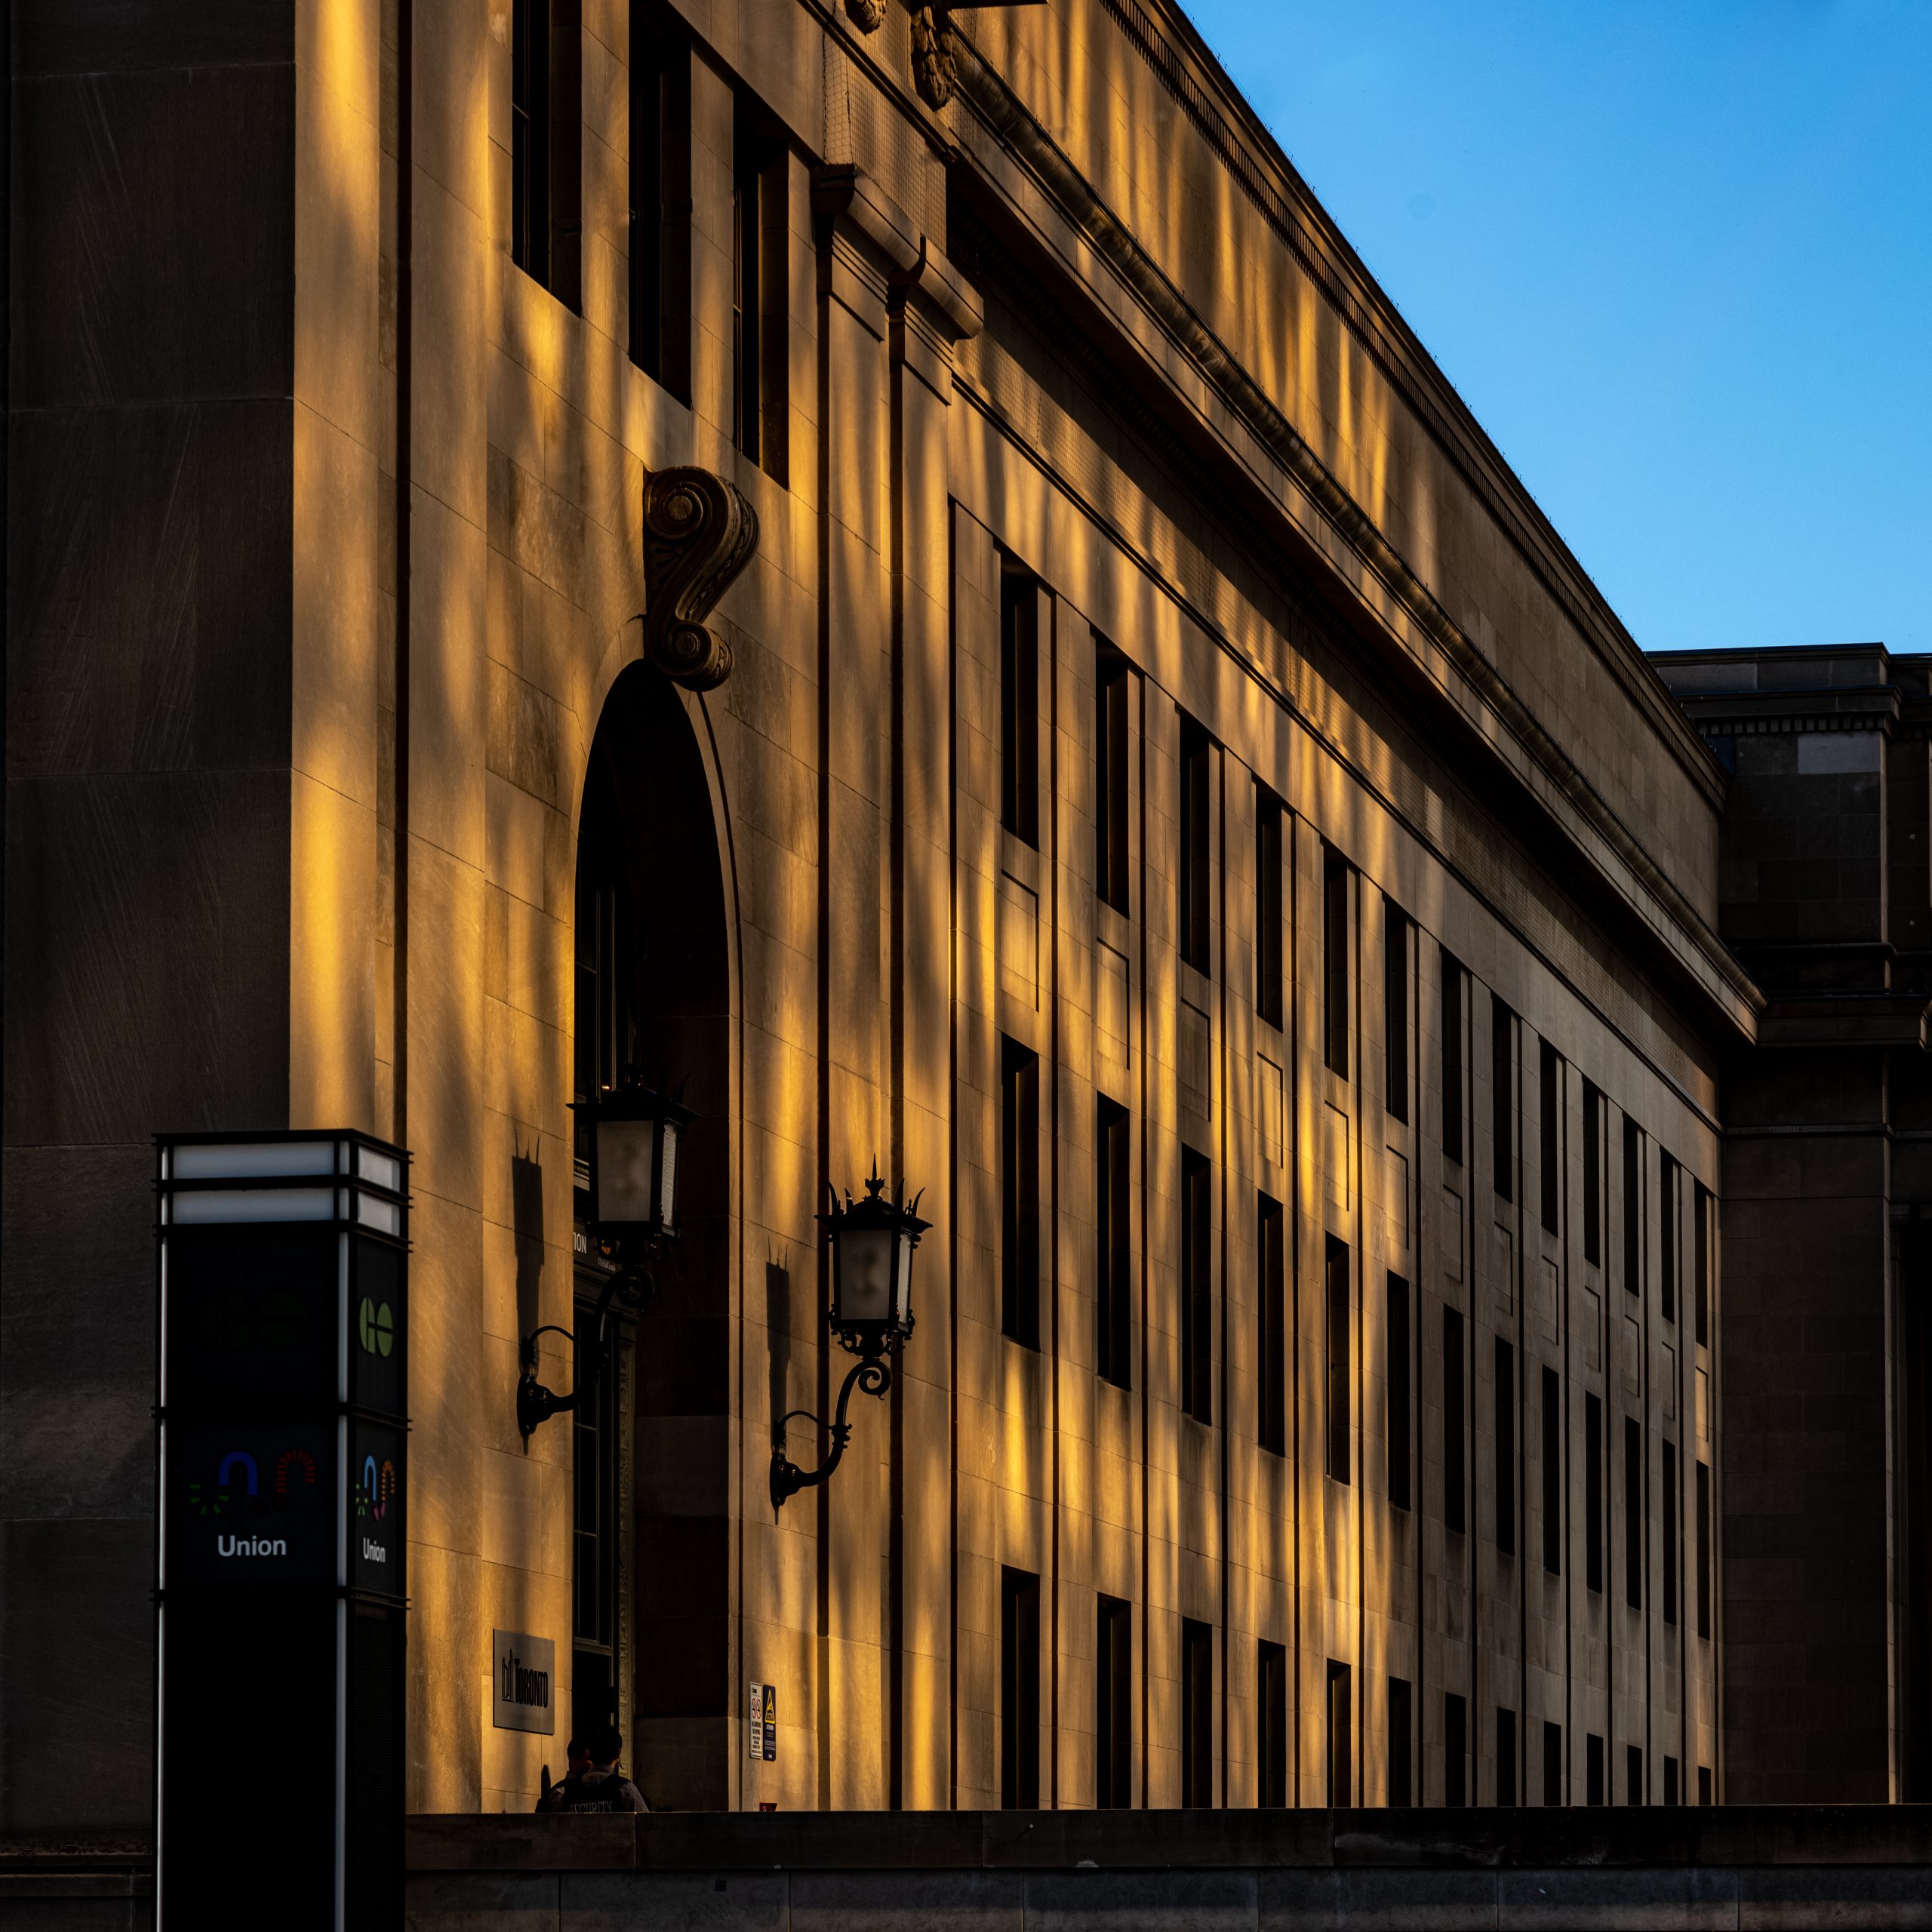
699,532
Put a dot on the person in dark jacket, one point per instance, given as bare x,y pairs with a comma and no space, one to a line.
601,1785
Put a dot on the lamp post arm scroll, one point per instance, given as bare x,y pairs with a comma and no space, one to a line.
872,1376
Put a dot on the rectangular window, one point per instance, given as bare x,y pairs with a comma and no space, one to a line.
1335,960
760,233
1633,1774
1506,1447
1270,1240
1401,1739
1593,1174
1667,1571
1113,1290
1593,1492
1452,1059
1552,1473
1196,831
1701,1265
1633,1207
1394,1012
661,198
1670,1781
1633,1513
1197,1714
1110,801
1703,1550
1667,1237
1704,1784
547,143
1340,1738
1019,1691
1505,1756
1340,1379
1020,1194
1550,1105
1020,704
1455,1450
1552,1763
1267,904
1455,1749
1503,1097
1593,1769
1396,1340
1113,1724
1271,1743
1197,1286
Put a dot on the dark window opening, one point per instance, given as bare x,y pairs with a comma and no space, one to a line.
1667,1237
1552,1473
1401,1741
1114,1715
1703,1550
1506,1448
1335,960
1019,1691
1197,1286
1593,1174
1197,1714
1550,1105
1667,1569
1271,1743
1341,1754
1114,1289
760,241
1455,1427
1503,1097
1704,1784
1552,1763
1701,1265
594,1605
1633,1207
1271,1239
1455,1749
1340,1460
1506,1755
1593,1492
1110,802
661,191
1394,1012
1633,1774
1020,704
1268,996
1592,1769
1020,1195
1670,1796
1452,1059
1396,1340
1196,838
1633,1513
546,144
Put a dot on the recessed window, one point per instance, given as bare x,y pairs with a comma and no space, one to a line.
1593,1174
1197,1286
1593,1525
660,192
1020,704
1020,1690
1552,1763
1451,1040
1667,1237
1111,788
1667,1524
1270,1242
1401,1395
1633,1774
1455,1427
1113,1725
1703,1550
1268,816
546,144
1503,1098
1701,1279
1335,875
1506,1755
1395,930
1197,1714
1340,1375
1634,1524
1271,1743
1552,1473
1020,1194
1455,1749
1593,1769
1550,1105
760,237
1113,1288
1401,1741
1506,1447
1195,883
1340,1742
1633,1207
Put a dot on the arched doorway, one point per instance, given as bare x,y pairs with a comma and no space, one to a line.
651,1570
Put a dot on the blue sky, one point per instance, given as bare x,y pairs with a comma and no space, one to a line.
1678,260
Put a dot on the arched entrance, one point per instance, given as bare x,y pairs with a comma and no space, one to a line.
651,1570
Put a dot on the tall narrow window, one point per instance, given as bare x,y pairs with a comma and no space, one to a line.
1020,1194
1701,1276
1552,1763
1267,904
1452,1059
1506,1447
1019,1691
1271,1268
1593,1492
1113,1723
1271,1714
1705,1785
1506,1755
1667,1523
547,143
1667,1237
1703,1549
661,191
1394,1012
1401,1741
1335,959
1592,1769
1633,1513
1110,801
1633,1774
1396,1340
1455,1429
1633,1207
1593,1174
1197,1286
760,236
594,1697
1113,1289
1019,704
1341,1736
1549,1103
1196,841
1340,1374
1455,1749
1552,1473
1670,1781
1503,1097
1197,1714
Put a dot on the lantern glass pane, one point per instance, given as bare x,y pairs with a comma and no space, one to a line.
865,1275
904,1307
623,1170
667,1193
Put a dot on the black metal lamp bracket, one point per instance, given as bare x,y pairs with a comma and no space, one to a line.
535,1403
874,1376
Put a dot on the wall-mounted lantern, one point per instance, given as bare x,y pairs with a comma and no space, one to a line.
635,1130
872,1242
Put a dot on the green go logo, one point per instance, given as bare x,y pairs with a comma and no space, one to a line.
375,1327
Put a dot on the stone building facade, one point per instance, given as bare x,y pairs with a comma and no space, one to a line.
1121,750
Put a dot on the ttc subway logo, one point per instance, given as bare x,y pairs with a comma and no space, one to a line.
375,1327
237,1484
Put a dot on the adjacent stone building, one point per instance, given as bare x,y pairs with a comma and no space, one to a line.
892,564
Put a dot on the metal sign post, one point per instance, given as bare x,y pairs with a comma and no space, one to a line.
281,1436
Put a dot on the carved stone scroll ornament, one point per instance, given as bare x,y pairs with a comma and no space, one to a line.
868,16
699,533
934,73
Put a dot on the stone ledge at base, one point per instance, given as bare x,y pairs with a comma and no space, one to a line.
1840,1867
